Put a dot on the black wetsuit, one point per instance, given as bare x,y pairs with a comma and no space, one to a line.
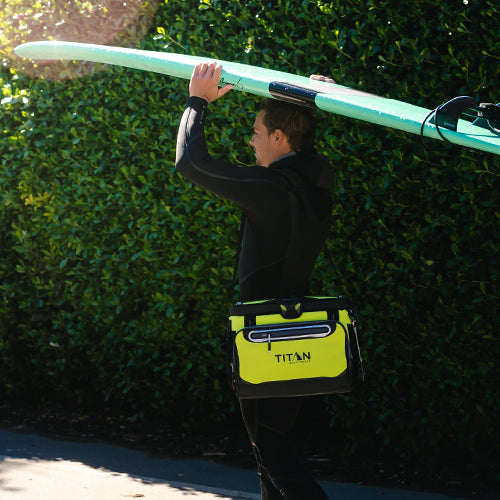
263,196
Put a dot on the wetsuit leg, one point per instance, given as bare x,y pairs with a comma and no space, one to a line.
269,423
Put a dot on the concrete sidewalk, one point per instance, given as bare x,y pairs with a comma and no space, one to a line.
37,468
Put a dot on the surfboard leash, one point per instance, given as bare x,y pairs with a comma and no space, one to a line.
485,115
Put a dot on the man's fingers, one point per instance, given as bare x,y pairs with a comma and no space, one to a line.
322,78
217,71
197,70
224,90
216,76
205,81
206,70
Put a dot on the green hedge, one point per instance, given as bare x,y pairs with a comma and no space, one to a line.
116,273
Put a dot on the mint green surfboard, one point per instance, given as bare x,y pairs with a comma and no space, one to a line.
483,133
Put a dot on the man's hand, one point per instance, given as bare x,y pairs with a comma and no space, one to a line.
205,82
322,78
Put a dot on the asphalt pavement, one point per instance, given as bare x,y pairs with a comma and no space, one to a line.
37,468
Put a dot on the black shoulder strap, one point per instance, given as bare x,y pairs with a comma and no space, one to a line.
238,248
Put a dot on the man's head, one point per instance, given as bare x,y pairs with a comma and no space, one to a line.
280,128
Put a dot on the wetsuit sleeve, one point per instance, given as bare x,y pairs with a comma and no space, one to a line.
243,185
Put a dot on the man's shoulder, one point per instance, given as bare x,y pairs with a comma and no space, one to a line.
309,167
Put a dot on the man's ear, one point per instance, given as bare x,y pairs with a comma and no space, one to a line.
281,140
279,136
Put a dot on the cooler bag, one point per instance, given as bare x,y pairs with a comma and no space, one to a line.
292,347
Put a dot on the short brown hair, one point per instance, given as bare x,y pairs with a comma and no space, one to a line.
296,122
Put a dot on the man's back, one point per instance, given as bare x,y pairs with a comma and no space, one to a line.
263,194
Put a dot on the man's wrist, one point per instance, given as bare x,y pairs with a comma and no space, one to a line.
197,102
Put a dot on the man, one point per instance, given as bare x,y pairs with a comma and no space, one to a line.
283,141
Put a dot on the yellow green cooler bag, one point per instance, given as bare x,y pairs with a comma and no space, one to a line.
292,347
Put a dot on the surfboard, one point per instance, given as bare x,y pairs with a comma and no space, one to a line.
478,134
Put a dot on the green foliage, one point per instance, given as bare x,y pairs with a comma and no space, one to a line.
116,273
